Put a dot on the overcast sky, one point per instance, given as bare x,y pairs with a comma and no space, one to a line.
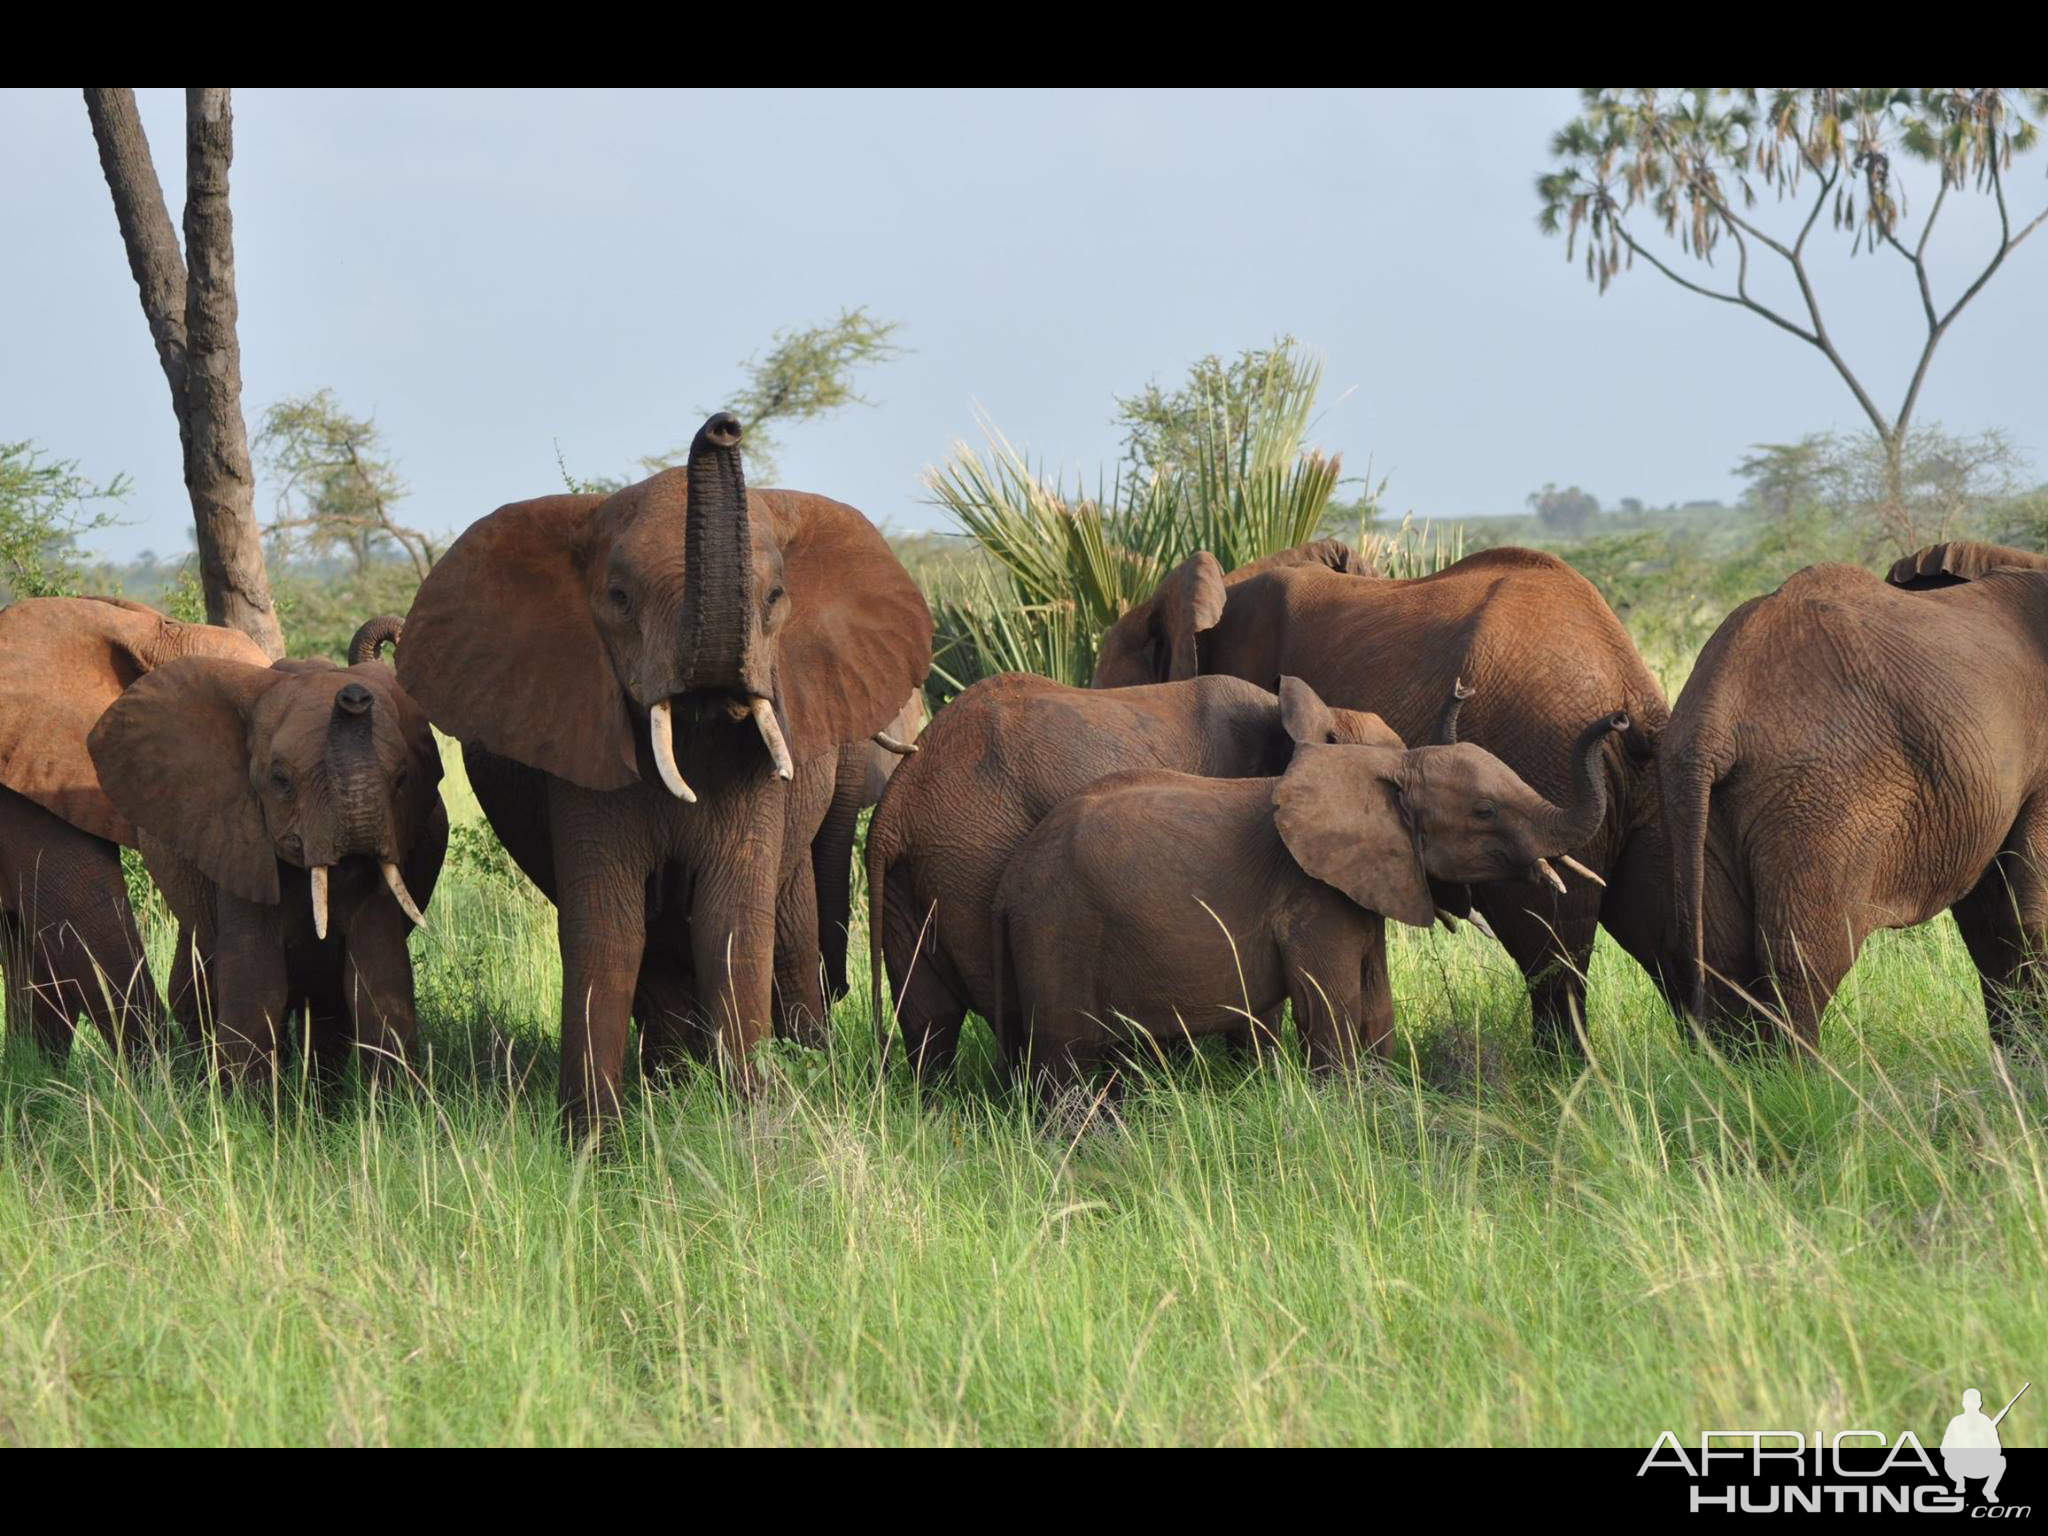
492,274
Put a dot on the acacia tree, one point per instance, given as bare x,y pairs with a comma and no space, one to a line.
1696,161
188,297
336,484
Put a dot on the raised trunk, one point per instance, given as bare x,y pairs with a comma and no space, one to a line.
718,570
1567,826
352,776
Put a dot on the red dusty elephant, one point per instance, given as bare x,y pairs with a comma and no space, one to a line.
71,940
654,690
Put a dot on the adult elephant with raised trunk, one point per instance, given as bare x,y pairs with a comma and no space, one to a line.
653,690
1534,638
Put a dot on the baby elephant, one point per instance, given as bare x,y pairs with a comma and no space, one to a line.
1157,904
994,762
291,815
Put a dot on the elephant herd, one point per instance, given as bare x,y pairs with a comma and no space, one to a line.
675,701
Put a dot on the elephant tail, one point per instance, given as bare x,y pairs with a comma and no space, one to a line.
998,954
1688,800
880,845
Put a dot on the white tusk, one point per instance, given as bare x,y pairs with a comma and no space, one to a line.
396,881
1543,868
662,734
889,743
319,874
1577,868
1477,920
771,733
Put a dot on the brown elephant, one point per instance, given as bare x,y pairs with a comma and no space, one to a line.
653,690
1163,905
292,817
1848,756
995,761
1535,638
865,768
72,944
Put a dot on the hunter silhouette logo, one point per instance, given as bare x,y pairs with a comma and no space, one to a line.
1844,1471
1970,1446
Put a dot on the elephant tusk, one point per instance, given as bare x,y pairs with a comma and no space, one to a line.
319,874
662,733
396,881
1577,868
889,743
771,733
1543,868
1478,920
1450,923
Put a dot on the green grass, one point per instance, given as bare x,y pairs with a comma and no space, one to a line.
1471,1247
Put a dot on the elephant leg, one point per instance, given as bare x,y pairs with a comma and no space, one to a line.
34,998
1326,1006
928,1001
376,977
254,990
800,1008
832,864
1804,935
2004,922
601,923
1550,938
191,1001
732,931
1376,997
107,962
666,1006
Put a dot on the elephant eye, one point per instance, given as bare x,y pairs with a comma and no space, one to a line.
281,781
1483,810
776,596
619,599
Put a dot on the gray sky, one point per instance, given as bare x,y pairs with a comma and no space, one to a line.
493,273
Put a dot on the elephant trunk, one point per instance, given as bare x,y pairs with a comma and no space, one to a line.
374,636
352,775
1445,733
718,565
1565,827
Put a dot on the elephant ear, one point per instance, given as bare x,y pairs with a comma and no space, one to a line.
1189,601
859,636
1339,812
1957,561
63,660
1307,719
173,753
501,649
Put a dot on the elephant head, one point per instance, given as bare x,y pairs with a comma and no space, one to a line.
1308,721
63,660
239,768
558,632
1157,641
1380,824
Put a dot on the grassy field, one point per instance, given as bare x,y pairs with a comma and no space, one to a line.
1472,1247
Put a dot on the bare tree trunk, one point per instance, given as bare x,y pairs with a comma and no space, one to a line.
192,318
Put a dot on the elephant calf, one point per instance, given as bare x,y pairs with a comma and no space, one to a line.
994,761
1185,906
291,815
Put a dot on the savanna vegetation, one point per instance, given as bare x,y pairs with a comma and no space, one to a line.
1474,1245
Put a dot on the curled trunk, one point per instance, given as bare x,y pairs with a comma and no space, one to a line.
1567,826
718,570
374,636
